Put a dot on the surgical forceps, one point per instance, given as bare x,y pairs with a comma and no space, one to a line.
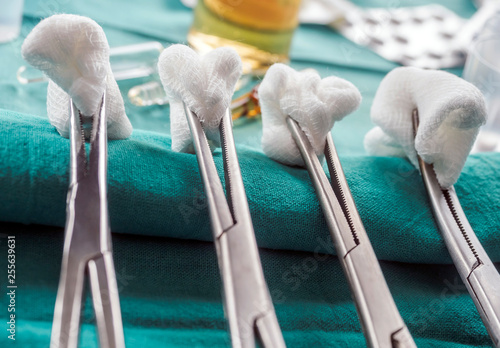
377,311
248,304
473,264
87,241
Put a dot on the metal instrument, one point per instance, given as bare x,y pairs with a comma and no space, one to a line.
87,241
473,264
377,311
248,304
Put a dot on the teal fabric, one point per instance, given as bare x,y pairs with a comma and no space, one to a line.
170,295
170,287
157,192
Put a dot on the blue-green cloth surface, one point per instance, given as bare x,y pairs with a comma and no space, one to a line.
171,293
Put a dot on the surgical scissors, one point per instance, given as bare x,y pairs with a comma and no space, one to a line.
248,304
377,311
473,264
87,241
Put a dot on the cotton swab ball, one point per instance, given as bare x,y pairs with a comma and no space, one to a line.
450,109
313,102
204,83
74,53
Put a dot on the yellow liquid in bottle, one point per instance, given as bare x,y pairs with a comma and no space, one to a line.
261,31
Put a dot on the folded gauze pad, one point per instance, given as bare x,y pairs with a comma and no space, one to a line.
314,103
74,53
450,110
205,83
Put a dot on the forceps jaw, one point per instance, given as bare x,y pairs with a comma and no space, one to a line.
377,311
221,218
236,195
247,302
87,205
344,242
474,266
87,241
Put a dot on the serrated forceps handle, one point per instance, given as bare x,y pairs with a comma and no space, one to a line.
473,264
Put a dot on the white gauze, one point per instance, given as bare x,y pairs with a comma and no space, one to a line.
450,110
74,53
204,83
313,102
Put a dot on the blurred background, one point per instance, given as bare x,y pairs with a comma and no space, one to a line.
344,38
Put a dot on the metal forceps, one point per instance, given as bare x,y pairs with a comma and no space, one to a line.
87,241
248,304
473,264
380,319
